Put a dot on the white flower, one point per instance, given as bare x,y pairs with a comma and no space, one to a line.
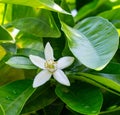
50,67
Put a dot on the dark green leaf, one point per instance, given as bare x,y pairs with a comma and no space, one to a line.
82,98
14,95
41,98
21,62
112,68
93,41
5,36
56,105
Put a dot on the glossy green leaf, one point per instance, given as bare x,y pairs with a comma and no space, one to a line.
93,41
100,81
46,4
82,97
20,62
14,95
112,15
5,35
38,27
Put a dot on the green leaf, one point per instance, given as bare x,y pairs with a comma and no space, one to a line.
112,68
2,52
57,105
111,103
29,51
19,11
21,62
29,41
82,97
91,9
14,95
5,36
100,81
93,41
63,17
38,27
2,112
45,4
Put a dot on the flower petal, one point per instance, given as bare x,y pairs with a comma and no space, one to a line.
61,77
48,52
41,78
38,61
65,62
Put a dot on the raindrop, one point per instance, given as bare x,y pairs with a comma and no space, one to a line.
65,90
87,106
8,98
94,111
14,92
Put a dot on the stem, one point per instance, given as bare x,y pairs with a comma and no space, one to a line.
4,13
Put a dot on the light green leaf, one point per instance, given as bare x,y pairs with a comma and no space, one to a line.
5,35
82,98
46,4
93,41
14,95
21,62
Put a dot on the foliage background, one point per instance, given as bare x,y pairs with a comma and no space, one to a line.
91,36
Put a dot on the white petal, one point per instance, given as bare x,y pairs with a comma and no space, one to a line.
48,52
41,78
61,77
38,61
65,62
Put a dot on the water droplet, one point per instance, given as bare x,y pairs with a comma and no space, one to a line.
65,90
94,111
8,98
83,104
14,92
87,106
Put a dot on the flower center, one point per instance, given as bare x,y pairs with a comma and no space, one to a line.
51,65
